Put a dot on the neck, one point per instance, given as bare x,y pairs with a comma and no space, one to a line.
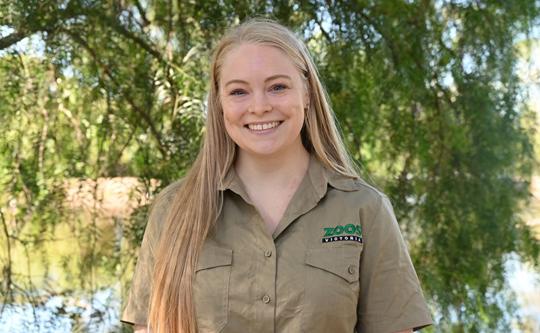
276,171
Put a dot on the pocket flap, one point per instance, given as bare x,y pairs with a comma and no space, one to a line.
214,256
341,261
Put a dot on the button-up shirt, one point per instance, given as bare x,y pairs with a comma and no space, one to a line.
336,262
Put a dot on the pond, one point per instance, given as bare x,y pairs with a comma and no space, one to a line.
97,313
69,272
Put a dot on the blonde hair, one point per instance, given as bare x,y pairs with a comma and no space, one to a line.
197,204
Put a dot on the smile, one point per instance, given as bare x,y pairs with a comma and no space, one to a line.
263,126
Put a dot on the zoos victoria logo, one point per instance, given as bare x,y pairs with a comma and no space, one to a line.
349,232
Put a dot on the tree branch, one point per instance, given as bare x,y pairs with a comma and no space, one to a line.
319,23
111,22
13,38
144,115
145,20
49,25
7,270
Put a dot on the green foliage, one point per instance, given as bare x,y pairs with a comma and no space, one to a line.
426,93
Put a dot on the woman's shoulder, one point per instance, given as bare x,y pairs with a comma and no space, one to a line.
356,187
167,194
357,196
159,209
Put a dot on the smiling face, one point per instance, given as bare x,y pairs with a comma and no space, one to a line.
263,98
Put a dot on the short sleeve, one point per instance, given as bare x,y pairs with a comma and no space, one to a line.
391,298
136,308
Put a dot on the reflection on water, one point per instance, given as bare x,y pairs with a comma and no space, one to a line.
60,314
68,272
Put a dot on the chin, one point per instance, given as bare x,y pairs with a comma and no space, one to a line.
261,151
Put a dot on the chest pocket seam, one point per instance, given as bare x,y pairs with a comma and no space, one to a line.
341,261
214,256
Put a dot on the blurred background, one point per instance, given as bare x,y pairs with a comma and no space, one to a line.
102,103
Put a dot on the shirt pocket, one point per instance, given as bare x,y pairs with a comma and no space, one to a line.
331,289
211,288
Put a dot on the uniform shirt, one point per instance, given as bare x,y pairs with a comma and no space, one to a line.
335,263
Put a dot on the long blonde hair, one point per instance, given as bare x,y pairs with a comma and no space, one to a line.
197,203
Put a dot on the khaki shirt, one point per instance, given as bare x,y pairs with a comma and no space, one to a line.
335,263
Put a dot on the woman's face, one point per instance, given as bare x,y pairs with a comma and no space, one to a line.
263,98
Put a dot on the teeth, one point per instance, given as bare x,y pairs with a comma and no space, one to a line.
265,126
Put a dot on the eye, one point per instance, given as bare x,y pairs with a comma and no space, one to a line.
237,92
278,87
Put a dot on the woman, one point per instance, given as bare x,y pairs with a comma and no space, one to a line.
272,230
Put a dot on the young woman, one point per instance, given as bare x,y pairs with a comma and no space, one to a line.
272,230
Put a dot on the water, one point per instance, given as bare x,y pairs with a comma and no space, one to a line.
58,314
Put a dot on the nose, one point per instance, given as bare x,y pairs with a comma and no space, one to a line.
260,103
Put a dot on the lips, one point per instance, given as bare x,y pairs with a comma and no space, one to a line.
263,126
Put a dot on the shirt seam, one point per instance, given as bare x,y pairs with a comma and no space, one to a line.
381,198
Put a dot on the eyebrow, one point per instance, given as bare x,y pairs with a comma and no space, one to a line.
273,77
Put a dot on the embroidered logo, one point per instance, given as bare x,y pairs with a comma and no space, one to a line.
349,232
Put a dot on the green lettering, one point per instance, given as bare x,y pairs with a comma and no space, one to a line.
359,230
338,230
350,228
328,232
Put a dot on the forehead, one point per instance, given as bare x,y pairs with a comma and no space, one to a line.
255,61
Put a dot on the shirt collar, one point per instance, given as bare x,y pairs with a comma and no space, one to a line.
232,182
319,176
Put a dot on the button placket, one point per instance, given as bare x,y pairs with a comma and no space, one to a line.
269,265
265,277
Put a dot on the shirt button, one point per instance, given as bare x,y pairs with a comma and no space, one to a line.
267,253
352,269
266,299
